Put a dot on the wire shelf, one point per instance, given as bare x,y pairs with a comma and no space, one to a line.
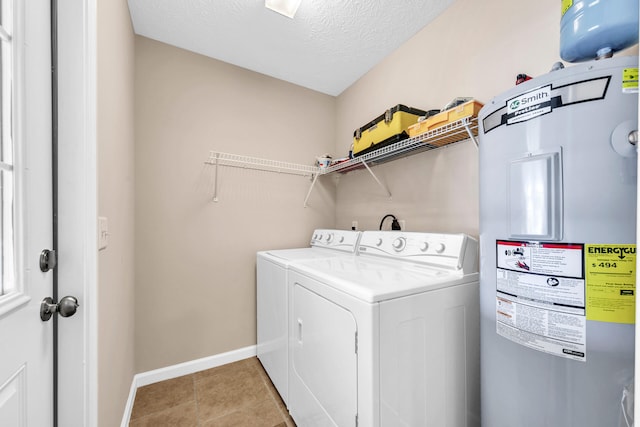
225,159
460,130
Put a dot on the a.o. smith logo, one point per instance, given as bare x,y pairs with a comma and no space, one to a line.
528,105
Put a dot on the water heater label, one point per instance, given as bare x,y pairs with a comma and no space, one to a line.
540,296
611,283
546,99
528,105
630,80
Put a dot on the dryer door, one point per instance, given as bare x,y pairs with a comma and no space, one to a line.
323,388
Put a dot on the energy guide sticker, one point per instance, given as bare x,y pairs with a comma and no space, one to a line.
611,283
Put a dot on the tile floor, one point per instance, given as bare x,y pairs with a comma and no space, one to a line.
239,394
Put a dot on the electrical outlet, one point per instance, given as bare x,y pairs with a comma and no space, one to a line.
354,225
403,224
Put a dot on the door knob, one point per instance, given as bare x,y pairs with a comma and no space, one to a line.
66,307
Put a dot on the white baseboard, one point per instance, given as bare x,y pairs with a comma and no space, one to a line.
186,368
129,405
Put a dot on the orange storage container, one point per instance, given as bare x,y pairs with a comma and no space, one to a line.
467,109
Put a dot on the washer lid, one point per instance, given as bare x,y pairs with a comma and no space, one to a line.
374,279
288,256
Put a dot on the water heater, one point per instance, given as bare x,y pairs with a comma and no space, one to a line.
557,239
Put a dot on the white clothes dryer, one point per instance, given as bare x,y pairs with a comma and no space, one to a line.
389,337
272,297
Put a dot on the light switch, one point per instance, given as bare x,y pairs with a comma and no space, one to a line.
103,232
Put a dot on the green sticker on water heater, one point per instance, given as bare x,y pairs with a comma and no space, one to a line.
610,272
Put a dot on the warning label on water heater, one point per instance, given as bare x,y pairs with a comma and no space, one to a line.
540,296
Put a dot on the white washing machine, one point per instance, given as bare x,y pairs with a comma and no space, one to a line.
272,297
389,337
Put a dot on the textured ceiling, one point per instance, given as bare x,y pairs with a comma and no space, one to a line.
327,46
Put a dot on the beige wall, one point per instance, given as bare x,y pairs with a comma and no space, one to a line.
195,259
473,49
115,132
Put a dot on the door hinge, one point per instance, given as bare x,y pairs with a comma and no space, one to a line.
48,260
356,339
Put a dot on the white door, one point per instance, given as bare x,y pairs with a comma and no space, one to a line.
77,215
26,355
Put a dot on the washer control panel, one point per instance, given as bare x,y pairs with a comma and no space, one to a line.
342,240
456,251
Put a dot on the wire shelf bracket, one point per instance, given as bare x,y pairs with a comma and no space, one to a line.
384,187
306,199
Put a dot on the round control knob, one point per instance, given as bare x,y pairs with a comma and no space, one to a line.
379,242
440,248
399,244
341,239
329,237
319,237
424,246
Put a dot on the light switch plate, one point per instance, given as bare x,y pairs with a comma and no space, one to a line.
103,232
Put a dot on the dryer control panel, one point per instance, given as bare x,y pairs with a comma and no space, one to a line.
455,251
